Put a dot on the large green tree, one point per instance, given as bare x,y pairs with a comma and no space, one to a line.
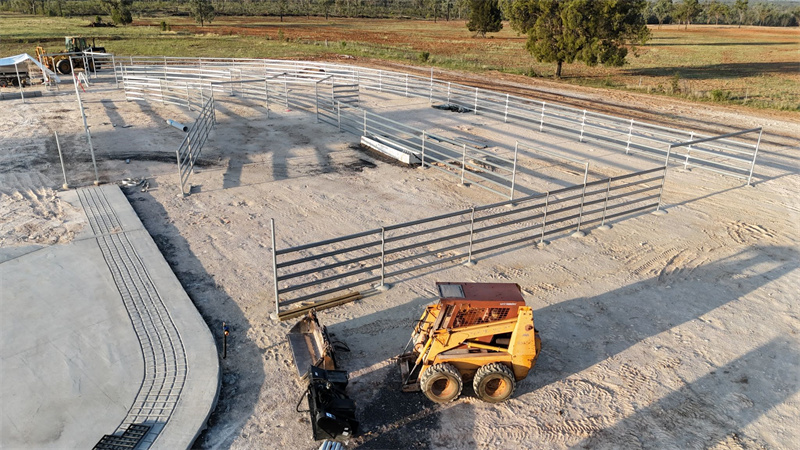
687,11
716,10
662,9
120,11
741,9
202,11
590,31
485,17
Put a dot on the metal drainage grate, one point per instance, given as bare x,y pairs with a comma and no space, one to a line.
128,440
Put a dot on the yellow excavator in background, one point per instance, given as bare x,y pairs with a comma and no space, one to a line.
479,332
72,47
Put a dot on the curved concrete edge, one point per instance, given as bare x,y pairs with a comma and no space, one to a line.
201,390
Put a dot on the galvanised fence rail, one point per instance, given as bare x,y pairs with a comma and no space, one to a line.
470,164
304,274
725,156
193,143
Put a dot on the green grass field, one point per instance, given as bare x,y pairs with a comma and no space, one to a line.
755,66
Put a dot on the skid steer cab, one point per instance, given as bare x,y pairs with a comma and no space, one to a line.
478,332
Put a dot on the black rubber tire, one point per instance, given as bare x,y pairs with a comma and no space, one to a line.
494,383
63,67
442,383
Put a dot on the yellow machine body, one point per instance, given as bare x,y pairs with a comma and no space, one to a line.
479,325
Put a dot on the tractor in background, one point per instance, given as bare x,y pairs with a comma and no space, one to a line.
60,62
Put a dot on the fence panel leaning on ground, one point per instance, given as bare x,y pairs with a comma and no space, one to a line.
319,269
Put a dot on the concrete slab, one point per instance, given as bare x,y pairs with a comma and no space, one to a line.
98,334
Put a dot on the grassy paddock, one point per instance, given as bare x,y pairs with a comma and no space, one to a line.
756,66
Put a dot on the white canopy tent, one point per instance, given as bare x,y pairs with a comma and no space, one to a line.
18,59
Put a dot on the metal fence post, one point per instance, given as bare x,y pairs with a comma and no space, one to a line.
380,81
316,99
406,85
286,90
365,122
463,163
339,115
448,92
61,158
505,116
663,180
630,135
603,225
114,64
424,137
578,232
85,125
688,151
583,124
755,153
266,94
430,97
541,122
188,101
161,89
274,265
476,101
19,83
180,174
514,172
471,234
383,258
544,217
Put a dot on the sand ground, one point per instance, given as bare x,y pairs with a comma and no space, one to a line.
671,331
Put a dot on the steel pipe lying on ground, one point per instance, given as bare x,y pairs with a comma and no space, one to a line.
177,125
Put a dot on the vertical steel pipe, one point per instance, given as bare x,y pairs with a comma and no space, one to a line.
463,162
471,233
514,171
424,137
274,266
19,83
61,158
583,124
605,204
544,216
85,125
383,256
541,122
755,153
630,135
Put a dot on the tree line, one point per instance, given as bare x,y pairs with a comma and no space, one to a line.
719,12
738,12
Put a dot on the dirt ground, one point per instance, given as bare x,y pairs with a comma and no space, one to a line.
673,331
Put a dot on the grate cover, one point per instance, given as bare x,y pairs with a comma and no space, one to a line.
476,316
128,440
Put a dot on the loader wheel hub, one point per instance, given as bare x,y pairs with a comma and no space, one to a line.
497,388
443,388
441,383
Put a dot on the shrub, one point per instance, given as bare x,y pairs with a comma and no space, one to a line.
718,95
675,83
423,56
163,26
